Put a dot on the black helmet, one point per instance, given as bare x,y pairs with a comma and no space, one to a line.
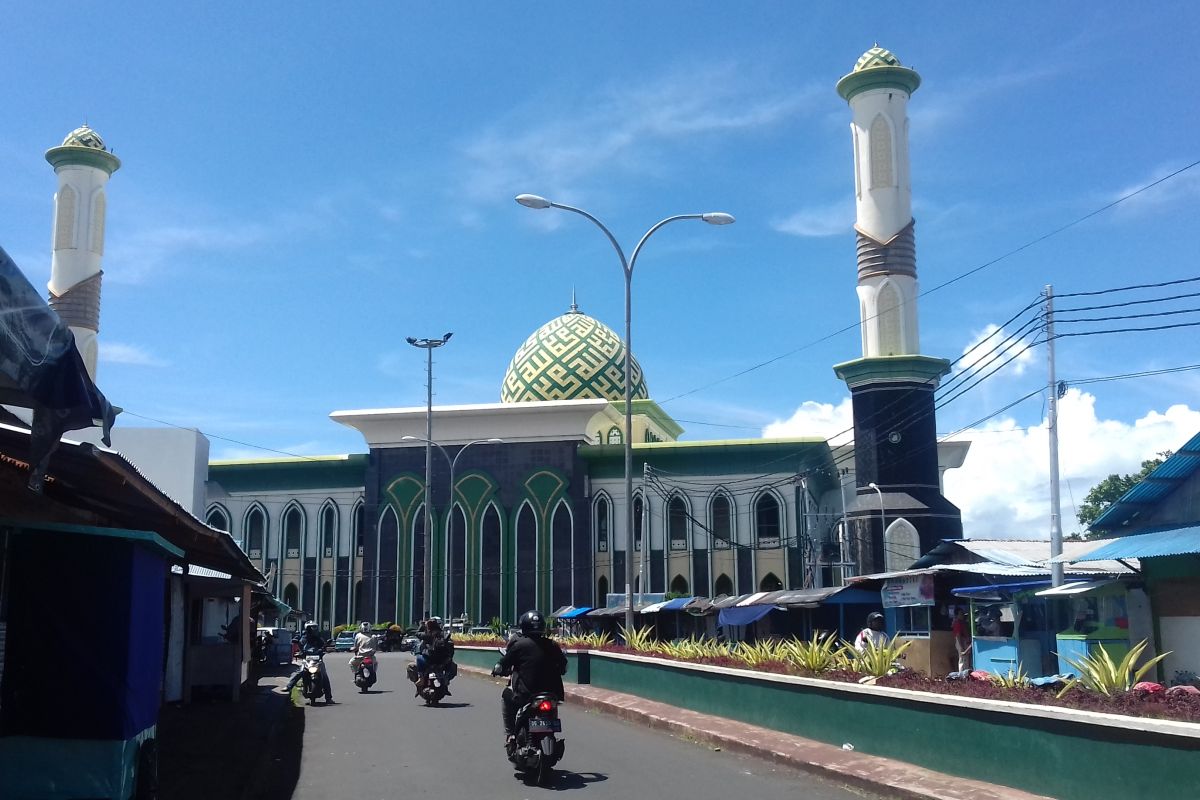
532,623
874,616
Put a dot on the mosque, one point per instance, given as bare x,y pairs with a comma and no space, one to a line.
527,502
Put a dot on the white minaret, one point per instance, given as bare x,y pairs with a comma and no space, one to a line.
877,90
83,167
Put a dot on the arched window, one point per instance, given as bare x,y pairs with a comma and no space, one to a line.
492,543
679,586
291,595
217,518
527,563
602,591
901,546
614,435
770,583
357,522
637,523
722,522
723,586
64,223
356,606
602,515
677,523
256,525
329,531
97,245
881,154
457,574
293,522
766,521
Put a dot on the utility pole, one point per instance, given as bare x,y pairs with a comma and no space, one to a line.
1056,541
645,533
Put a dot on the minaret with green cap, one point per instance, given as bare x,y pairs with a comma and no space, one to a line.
83,166
892,385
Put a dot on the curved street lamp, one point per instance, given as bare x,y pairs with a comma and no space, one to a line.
712,218
882,513
453,462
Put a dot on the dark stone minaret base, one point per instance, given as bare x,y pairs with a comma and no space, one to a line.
895,447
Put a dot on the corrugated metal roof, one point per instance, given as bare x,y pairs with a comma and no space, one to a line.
1154,487
1183,540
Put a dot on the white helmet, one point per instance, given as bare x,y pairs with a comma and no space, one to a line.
310,626
364,627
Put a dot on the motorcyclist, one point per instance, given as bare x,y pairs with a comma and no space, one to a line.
537,664
433,651
366,643
312,644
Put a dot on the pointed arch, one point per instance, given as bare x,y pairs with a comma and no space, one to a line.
768,520
293,530
721,518
254,525
525,565
679,585
562,526
353,600
601,522
491,542
770,583
357,530
416,560
218,517
901,545
291,595
602,591
98,211
883,173
723,586
328,541
639,520
387,535
326,602
678,522
889,319
456,566
65,211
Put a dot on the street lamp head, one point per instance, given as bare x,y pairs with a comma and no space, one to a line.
495,441
410,340
872,486
446,338
533,201
718,218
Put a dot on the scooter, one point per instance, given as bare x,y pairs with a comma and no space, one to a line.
310,678
437,682
536,749
365,672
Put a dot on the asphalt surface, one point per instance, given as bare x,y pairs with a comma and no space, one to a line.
388,744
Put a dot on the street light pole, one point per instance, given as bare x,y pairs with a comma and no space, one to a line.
453,462
428,345
712,218
882,514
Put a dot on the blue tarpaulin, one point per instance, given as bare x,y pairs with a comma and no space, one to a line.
676,604
743,615
573,613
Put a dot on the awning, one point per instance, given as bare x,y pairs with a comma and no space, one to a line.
560,611
1171,542
1074,587
726,602
699,606
652,608
999,588
574,613
677,604
743,615
752,599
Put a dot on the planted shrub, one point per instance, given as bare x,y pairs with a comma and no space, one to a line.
1099,673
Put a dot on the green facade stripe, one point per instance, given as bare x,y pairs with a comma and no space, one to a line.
349,472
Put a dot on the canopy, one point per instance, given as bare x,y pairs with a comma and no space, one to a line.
677,604
1171,542
574,613
1074,587
999,588
743,615
652,608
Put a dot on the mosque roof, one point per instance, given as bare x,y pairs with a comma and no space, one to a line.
571,357
83,146
878,68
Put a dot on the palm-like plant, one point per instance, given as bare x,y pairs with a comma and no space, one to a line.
1099,673
1013,679
640,639
876,660
822,654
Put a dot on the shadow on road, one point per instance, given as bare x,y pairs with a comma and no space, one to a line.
448,705
565,781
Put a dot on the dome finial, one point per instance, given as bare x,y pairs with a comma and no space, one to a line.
574,305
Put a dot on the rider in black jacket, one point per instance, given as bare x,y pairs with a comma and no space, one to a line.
313,644
538,663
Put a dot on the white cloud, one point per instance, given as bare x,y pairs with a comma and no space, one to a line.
835,423
989,349
832,220
556,148
958,101
1003,488
1182,188
118,353
137,256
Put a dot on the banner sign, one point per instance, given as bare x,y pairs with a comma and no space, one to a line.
914,590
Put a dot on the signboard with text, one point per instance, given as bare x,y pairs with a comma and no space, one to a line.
912,590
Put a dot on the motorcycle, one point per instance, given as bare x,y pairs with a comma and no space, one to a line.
365,672
436,684
310,678
536,749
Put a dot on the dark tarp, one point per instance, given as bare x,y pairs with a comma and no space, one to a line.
41,369
743,615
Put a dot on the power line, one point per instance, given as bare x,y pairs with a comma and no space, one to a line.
222,438
1129,288
1058,311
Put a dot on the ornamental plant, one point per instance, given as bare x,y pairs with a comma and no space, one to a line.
822,654
640,639
1099,673
876,661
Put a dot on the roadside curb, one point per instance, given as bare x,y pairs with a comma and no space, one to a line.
881,776
263,778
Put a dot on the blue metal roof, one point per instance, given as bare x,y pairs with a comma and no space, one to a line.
1007,588
677,603
1154,542
1153,488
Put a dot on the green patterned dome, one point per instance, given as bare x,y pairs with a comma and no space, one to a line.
877,57
83,136
878,68
572,357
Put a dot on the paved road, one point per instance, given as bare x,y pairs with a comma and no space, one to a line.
387,744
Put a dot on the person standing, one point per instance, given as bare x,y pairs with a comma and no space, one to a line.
874,634
961,628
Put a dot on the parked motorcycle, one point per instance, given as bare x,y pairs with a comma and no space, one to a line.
310,678
365,672
536,748
436,684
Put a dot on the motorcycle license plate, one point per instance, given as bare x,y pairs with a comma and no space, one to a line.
539,725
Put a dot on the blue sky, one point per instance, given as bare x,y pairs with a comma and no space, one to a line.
305,185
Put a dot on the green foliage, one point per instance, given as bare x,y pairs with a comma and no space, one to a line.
1099,673
497,626
1110,490
876,660
640,639
1011,679
822,654
594,641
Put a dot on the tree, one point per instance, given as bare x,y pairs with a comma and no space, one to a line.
1111,489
